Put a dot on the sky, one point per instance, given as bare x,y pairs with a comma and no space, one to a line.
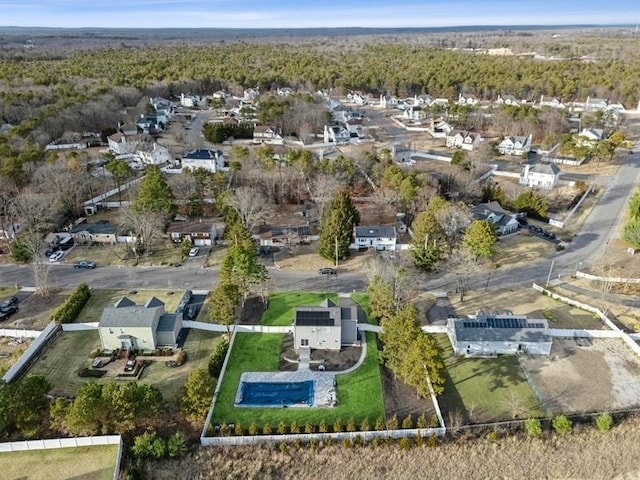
307,14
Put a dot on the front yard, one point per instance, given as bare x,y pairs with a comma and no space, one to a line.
102,298
482,390
359,393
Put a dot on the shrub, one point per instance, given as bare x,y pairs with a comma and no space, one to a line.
282,428
492,436
217,358
225,430
432,441
253,429
181,358
358,441
376,442
418,439
604,422
328,442
364,426
309,428
434,421
405,444
238,430
313,445
72,306
392,423
20,252
421,422
176,445
337,425
561,424
346,443
407,422
323,428
282,446
294,428
95,353
266,430
379,424
91,373
148,445
533,427
351,425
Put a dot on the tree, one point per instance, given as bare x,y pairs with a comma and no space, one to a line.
145,226
480,238
533,203
148,445
87,411
464,265
459,159
31,404
398,333
120,171
604,422
336,229
224,301
381,298
423,364
533,427
561,424
323,187
250,204
428,236
154,194
454,221
195,401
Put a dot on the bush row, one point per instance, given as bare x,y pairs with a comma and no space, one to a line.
72,306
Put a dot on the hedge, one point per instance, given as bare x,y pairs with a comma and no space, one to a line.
72,306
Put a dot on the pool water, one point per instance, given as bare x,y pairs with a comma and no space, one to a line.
272,394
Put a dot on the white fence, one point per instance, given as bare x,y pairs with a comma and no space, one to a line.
625,336
79,327
306,437
19,333
53,443
589,276
499,173
32,350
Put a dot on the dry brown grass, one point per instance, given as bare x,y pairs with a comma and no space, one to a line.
584,454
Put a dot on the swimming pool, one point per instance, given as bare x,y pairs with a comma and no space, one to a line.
276,394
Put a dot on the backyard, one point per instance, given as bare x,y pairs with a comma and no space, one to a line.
70,351
359,393
485,389
89,463
282,305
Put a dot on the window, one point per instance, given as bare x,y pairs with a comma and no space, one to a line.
304,342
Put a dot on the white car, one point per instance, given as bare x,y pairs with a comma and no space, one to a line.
194,252
57,256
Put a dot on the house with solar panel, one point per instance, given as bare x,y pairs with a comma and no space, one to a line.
128,326
494,334
326,327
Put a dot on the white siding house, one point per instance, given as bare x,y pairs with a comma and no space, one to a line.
463,139
119,145
380,237
492,212
211,160
490,335
515,145
540,176
158,155
326,327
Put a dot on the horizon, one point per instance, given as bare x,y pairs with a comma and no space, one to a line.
289,15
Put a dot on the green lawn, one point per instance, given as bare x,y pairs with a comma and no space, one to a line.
199,346
89,463
282,305
100,299
63,358
362,299
359,393
485,389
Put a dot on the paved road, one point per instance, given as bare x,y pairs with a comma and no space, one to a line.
588,245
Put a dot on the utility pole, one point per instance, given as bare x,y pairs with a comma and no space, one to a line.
336,253
550,270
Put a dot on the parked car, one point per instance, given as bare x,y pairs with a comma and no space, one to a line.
7,312
327,271
130,366
9,302
56,256
191,312
194,252
549,235
186,298
535,228
84,264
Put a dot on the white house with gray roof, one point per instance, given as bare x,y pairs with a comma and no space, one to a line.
515,145
492,212
494,334
210,160
326,327
147,327
380,237
541,175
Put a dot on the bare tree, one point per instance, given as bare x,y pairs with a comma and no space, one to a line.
464,265
323,188
36,212
251,206
604,286
454,221
69,180
146,227
514,403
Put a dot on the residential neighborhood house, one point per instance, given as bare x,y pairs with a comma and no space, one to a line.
101,232
158,155
267,134
515,145
551,103
119,145
339,134
467,99
490,335
128,326
379,237
492,212
326,327
508,100
191,101
540,175
211,160
463,139
200,234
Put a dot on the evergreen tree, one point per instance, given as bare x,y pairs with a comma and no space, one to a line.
533,203
154,194
428,237
196,398
336,231
480,239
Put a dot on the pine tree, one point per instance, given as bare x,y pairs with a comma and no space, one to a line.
480,239
154,194
336,231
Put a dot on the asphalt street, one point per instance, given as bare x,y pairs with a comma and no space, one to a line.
591,242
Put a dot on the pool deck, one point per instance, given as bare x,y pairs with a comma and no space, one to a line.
324,391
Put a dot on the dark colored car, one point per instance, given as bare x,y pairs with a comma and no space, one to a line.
535,228
549,235
9,302
7,312
130,366
327,271
191,312
84,264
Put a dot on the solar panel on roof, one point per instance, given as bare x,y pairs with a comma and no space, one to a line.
314,318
